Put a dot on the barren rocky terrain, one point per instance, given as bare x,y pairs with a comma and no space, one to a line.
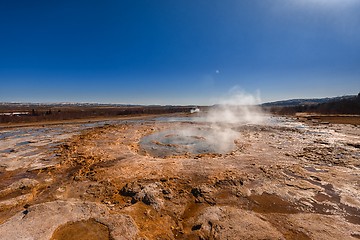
283,179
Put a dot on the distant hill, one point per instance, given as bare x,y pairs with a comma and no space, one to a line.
302,102
338,105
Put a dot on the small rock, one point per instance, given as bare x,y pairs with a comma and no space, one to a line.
203,194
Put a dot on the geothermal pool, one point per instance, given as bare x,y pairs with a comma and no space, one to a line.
189,141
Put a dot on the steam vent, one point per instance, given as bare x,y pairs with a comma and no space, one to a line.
187,141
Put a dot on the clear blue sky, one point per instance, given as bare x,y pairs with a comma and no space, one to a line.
177,52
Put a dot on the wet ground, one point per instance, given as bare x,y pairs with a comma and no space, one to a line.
181,178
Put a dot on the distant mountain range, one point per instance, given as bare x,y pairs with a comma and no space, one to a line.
304,102
79,104
282,103
66,104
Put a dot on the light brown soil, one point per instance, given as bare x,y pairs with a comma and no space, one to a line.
82,230
285,181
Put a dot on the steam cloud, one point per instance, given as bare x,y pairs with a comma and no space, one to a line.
216,134
239,108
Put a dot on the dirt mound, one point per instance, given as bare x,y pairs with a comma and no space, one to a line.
42,220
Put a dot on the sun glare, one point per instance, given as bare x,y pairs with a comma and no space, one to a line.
329,3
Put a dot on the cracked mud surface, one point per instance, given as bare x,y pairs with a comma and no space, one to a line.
283,180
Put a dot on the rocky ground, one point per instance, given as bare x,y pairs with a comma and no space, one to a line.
283,180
